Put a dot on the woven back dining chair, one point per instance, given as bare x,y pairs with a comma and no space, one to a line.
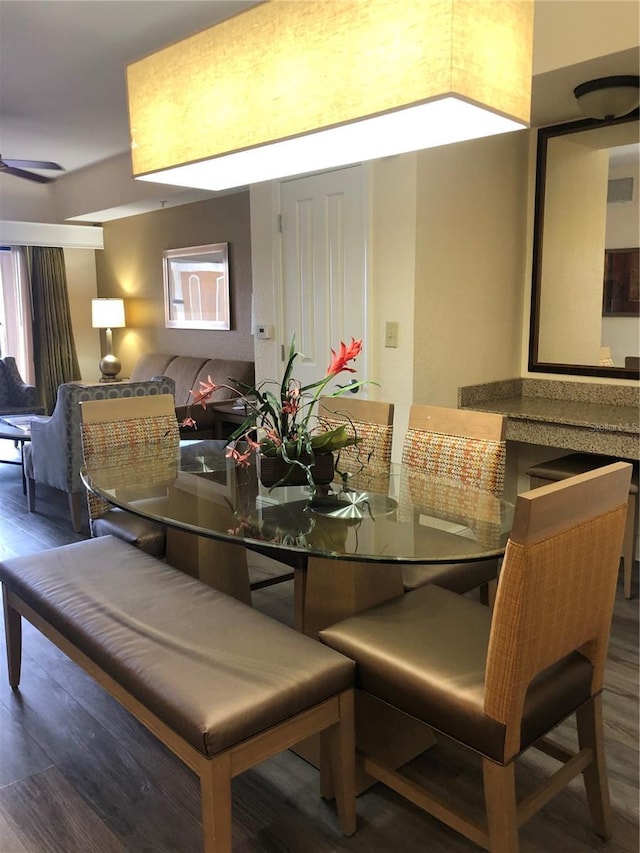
461,447
371,423
499,682
139,436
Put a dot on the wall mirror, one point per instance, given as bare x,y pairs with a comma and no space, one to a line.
586,212
196,287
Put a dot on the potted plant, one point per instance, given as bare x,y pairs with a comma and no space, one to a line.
281,427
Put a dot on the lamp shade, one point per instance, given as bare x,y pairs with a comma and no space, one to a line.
608,97
107,313
289,87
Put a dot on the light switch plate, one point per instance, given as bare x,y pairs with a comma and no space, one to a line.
391,334
264,333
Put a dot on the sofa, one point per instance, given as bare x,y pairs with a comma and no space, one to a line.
187,372
16,397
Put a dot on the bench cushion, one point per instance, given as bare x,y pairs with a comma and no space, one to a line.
212,668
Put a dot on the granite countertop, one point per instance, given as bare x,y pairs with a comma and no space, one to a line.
598,416
591,417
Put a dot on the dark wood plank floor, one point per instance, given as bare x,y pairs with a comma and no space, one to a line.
79,775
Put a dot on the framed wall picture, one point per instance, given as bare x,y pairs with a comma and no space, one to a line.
196,287
621,283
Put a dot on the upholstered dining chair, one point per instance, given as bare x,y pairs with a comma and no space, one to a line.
499,683
456,446
139,434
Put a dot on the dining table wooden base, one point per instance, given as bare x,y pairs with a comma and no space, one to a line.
326,592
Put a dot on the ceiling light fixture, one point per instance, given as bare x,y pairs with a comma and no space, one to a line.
289,87
609,97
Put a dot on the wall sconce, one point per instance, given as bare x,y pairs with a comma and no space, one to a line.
108,314
608,97
287,87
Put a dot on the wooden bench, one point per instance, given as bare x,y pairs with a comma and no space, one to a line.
220,684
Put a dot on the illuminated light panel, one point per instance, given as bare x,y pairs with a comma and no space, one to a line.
290,87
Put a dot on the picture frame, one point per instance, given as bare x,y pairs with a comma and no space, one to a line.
621,294
196,287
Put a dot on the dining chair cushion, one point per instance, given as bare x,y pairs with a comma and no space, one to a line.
457,577
149,536
412,654
472,461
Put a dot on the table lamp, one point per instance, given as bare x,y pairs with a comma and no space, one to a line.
108,314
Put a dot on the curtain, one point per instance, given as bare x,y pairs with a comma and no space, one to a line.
54,350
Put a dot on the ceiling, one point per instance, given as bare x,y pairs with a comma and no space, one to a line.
62,83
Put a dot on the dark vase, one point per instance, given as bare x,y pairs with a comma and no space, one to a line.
275,470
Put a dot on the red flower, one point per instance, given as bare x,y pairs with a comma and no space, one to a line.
292,404
344,355
239,458
189,422
205,393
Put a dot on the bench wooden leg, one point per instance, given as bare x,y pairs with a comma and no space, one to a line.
337,776
215,791
13,637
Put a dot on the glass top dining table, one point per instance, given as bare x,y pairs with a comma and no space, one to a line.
346,542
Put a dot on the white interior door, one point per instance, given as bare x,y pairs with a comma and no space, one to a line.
324,250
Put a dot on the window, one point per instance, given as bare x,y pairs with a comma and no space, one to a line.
15,310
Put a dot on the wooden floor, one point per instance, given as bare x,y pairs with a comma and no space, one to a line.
79,775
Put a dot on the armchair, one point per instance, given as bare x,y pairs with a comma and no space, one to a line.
16,397
54,456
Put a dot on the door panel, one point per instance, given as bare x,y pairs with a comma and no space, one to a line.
324,267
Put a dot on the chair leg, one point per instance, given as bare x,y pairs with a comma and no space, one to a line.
75,504
629,543
31,494
500,803
591,734
13,638
215,792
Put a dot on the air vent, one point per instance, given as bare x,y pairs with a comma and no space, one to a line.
620,190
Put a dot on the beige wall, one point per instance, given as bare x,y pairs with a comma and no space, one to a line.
131,266
80,266
471,237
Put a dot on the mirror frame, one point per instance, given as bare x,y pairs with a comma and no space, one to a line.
536,366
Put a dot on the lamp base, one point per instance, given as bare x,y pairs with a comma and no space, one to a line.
110,366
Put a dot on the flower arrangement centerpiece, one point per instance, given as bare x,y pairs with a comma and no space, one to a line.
281,424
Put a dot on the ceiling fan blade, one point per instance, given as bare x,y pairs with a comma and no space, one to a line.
32,164
20,173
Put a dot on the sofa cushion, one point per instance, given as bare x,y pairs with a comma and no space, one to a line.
221,371
184,370
150,364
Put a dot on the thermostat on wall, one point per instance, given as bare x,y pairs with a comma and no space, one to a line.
264,333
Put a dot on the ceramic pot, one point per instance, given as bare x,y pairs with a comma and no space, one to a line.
274,470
